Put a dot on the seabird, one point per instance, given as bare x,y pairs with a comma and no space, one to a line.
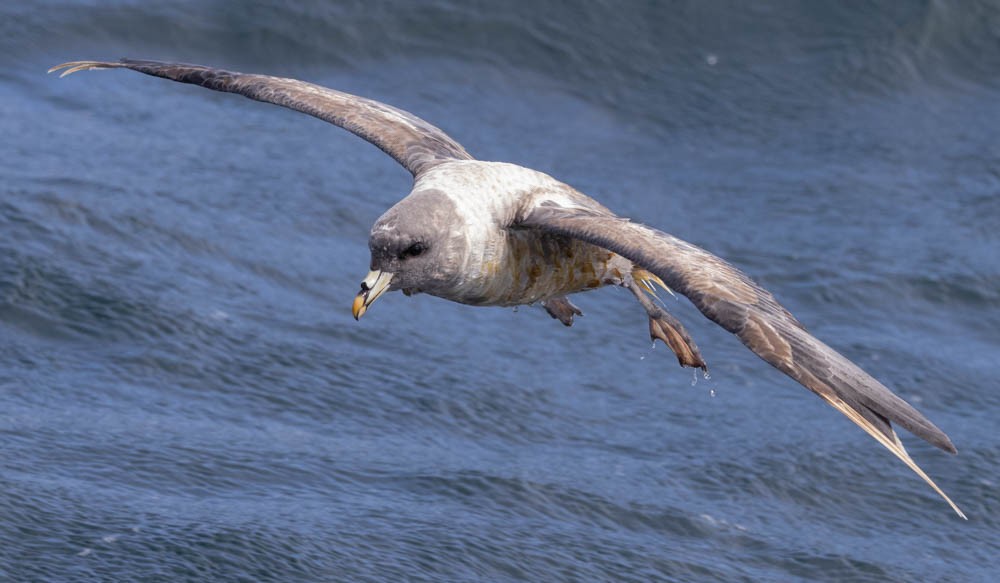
498,234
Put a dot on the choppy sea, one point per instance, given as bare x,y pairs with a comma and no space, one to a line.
184,395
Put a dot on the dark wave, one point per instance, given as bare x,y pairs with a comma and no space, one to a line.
186,397
769,56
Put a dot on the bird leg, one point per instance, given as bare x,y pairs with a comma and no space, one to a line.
562,309
663,326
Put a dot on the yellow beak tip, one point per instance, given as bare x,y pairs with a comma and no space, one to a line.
372,288
359,307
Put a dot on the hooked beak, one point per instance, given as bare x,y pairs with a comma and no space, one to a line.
376,284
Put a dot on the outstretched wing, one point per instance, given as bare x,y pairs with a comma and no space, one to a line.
731,299
411,141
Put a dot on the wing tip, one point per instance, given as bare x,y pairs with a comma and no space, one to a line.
925,430
960,513
74,66
891,442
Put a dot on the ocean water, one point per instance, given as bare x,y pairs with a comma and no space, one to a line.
185,396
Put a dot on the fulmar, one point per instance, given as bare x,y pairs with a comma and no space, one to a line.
497,234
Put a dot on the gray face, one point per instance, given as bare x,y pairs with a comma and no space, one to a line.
416,241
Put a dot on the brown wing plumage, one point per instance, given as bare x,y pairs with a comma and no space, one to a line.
731,299
411,141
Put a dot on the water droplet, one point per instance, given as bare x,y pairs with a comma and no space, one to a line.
711,393
694,377
707,376
712,60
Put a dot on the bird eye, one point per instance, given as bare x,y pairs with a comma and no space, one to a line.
413,250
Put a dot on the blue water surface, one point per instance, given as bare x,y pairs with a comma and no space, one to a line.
185,396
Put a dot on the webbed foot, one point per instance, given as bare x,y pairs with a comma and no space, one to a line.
562,309
665,327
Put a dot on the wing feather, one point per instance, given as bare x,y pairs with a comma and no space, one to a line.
731,299
411,141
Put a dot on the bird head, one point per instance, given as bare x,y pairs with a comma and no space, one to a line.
416,247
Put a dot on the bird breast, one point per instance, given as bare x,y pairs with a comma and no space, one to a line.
529,266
